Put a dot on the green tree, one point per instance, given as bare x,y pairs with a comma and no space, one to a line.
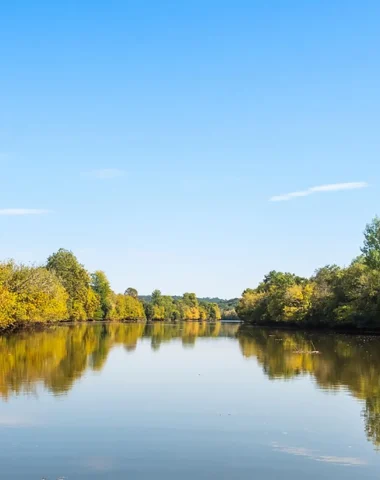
131,292
149,310
156,297
209,311
371,247
75,279
101,286
190,307
190,299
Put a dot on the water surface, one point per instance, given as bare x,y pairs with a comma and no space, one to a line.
119,401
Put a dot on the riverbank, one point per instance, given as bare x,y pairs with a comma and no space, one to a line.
333,297
340,330
40,326
63,288
344,330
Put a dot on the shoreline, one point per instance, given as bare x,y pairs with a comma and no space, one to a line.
343,330
40,326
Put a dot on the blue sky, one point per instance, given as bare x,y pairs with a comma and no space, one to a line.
150,137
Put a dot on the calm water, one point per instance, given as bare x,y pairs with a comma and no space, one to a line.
192,401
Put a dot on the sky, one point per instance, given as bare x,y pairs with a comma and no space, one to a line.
189,146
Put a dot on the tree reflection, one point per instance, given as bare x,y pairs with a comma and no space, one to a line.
343,361
56,357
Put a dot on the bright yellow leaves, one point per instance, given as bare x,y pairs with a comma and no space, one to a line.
125,307
29,294
297,301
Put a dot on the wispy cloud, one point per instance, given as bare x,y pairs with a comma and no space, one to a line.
106,173
22,211
333,187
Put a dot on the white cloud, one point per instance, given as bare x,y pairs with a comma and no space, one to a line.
106,173
334,187
22,211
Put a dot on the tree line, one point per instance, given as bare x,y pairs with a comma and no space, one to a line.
63,289
164,307
227,307
332,297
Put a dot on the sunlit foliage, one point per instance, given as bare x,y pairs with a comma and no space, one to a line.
371,246
125,307
30,294
166,308
101,286
333,296
61,290
82,304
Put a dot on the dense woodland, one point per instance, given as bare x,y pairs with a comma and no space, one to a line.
332,297
64,290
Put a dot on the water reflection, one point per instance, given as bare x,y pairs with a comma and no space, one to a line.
342,361
188,332
58,356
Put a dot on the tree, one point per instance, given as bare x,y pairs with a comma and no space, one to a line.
214,312
252,306
162,307
30,294
149,311
209,311
279,280
190,307
190,299
101,286
131,292
75,279
371,247
326,293
156,297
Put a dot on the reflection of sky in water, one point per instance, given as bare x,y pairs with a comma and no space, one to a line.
132,402
304,452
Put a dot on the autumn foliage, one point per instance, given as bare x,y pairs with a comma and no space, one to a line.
63,289
333,296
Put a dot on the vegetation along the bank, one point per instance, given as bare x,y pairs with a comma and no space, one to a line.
64,290
332,297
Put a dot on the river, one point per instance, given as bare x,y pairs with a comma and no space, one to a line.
188,401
